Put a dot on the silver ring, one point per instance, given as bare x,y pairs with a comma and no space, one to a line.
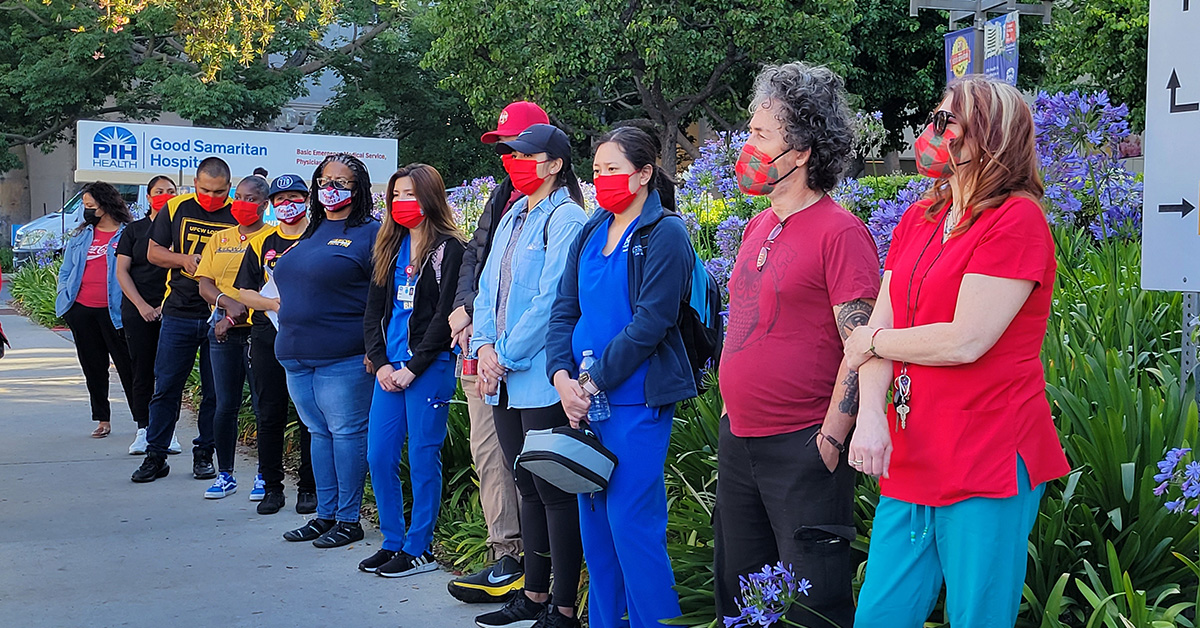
857,462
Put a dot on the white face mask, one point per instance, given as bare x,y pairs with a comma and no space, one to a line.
334,199
289,211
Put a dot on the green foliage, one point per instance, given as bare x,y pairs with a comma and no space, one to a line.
1100,44
6,258
34,288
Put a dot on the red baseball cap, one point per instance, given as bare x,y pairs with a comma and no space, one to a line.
515,119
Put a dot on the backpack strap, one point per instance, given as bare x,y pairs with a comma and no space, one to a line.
546,225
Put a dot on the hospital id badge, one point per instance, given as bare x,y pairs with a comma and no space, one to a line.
405,294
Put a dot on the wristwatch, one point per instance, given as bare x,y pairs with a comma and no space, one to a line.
588,386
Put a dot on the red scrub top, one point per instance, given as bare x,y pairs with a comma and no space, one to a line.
968,423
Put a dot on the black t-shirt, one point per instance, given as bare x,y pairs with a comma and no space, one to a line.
184,227
262,252
151,280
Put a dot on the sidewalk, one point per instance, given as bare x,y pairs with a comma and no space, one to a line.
84,546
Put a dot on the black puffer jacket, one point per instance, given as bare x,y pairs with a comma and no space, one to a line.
429,326
480,245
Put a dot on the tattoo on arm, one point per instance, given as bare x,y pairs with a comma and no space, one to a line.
853,314
850,315
849,403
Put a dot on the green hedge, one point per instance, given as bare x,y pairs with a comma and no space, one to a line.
34,288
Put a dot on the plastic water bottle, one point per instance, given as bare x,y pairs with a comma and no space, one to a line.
599,410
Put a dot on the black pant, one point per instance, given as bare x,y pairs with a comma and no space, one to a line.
777,501
270,382
549,516
142,339
96,339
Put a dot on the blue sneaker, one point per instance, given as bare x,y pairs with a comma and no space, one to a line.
260,489
223,487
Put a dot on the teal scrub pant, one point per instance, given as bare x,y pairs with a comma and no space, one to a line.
978,546
624,528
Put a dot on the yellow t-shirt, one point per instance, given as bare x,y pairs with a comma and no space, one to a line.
222,258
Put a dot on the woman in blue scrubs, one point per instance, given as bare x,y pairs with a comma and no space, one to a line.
417,256
625,280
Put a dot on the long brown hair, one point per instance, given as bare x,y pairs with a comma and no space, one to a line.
439,220
998,132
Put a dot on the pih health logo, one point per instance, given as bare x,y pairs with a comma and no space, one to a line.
114,147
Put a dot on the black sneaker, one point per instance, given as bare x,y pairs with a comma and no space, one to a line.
341,534
202,467
405,565
519,612
271,503
153,467
310,531
497,583
377,560
306,503
554,619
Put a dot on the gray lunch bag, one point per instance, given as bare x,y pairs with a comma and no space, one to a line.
573,460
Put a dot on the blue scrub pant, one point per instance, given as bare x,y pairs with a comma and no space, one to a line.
419,413
625,527
978,546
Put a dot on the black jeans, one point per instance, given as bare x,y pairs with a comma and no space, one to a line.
230,368
96,340
270,383
777,501
549,516
142,339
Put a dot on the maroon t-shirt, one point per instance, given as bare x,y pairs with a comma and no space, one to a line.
782,347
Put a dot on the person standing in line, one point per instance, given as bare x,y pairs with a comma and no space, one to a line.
289,197
968,286
418,254
143,285
89,299
323,284
518,287
177,240
229,339
497,492
805,277
626,277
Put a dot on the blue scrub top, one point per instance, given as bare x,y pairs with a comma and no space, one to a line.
397,330
605,309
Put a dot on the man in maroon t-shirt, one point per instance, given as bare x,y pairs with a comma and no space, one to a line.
806,275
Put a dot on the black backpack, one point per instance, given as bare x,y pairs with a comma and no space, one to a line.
700,322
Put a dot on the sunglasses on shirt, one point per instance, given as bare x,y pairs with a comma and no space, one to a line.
766,247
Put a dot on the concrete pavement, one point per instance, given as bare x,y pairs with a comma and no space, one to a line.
83,546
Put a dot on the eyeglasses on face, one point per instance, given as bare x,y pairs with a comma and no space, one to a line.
940,119
340,183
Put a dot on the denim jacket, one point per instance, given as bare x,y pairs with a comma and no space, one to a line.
537,266
70,276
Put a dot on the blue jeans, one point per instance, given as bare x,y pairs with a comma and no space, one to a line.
178,341
230,366
625,527
333,398
419,414
915,548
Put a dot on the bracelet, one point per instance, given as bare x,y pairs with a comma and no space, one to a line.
872,349
833,441
232,322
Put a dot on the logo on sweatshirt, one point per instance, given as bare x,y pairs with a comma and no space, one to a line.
342,242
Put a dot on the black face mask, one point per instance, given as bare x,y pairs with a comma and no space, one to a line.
90,217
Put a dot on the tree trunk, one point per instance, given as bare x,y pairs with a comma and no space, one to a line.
668,147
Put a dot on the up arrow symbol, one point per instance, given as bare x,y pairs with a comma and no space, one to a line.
1173,85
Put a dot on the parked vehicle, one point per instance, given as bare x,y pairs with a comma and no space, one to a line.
49,233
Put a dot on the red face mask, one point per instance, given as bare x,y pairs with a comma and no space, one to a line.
612,192
524,174
407,213
245,212
756,171
933,153
159,201
211,203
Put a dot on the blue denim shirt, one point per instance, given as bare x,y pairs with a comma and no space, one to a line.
536,270
70,276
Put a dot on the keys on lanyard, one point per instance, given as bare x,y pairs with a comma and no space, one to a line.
407,292
902,395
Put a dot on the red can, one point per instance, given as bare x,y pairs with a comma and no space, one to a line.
470,366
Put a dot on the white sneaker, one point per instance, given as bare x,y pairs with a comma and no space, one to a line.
138,447
174,448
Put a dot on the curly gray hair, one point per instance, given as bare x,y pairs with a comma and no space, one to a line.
810,102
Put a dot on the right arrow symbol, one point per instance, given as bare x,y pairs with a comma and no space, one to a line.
1183,208
1173,85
